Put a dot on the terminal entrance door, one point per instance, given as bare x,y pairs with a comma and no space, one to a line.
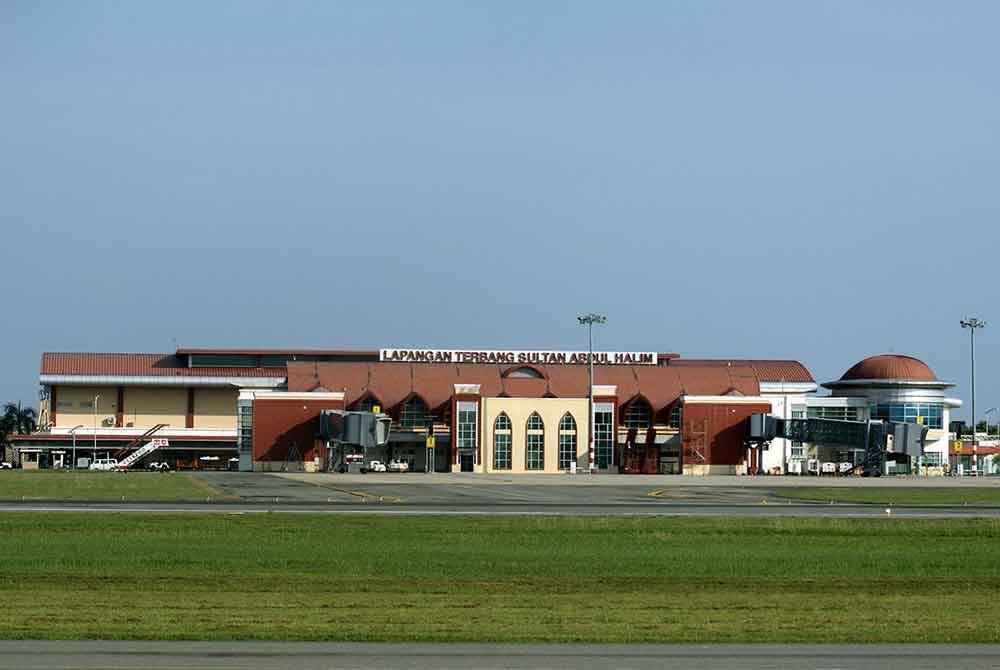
465,460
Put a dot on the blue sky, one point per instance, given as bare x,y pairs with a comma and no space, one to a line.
774,179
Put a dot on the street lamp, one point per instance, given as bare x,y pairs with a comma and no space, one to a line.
96,398
589,320
72,431
972,324
991,410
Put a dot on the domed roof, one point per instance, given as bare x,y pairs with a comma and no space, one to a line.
891,366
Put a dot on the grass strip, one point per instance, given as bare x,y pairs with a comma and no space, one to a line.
87,486
613,579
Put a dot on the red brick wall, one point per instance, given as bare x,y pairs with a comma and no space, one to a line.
716,432
279,422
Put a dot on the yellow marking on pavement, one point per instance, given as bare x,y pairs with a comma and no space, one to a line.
364,495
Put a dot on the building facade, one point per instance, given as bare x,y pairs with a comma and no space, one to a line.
472,411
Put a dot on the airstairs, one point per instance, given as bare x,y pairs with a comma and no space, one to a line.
151,446
126,459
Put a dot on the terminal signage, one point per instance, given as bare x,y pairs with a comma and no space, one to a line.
508,357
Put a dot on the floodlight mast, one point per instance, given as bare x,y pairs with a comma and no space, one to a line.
972,324
589,320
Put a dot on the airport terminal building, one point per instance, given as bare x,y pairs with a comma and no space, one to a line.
484,411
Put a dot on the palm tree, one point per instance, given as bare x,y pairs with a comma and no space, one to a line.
15,420
5,430
19,420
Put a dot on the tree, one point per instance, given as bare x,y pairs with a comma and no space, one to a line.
18,420
5,430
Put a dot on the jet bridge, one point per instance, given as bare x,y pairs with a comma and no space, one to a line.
876,439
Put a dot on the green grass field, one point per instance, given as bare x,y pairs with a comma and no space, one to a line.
84,485
620,579
896,496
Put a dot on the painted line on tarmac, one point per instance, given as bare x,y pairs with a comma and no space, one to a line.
363,495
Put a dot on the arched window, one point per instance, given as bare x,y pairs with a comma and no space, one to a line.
677,416
567,441
524,372
414,414
534,451
366,404
638,415
501,442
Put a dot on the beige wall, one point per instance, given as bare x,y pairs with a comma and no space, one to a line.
146,407
215,408
75,405
551,410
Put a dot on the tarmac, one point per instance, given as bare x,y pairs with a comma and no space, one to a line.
476,494
38,655
460,493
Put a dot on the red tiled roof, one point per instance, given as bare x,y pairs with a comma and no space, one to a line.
890,366
281,352
981,450
391,383
764,370
133,365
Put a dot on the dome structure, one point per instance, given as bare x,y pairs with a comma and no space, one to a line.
889,375
886,367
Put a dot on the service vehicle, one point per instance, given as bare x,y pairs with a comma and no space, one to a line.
398,466
104,464
374,466
158,466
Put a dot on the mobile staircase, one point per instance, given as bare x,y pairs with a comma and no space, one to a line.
125,460
150,447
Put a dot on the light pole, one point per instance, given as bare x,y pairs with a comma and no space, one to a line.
72,431
972,324
96,398
991,410
589,320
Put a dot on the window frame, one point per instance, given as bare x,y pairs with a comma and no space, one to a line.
568,445
534,443
503,438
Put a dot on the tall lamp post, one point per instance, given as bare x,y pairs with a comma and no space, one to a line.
972,324
72,431
96,398
987,413
589,320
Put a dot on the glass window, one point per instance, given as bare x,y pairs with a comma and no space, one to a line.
535,443
603,435
525,373
414,414
638,414
931,459
567,441
838,413
366,404
245,426
467,423
928,414
677,417
501,442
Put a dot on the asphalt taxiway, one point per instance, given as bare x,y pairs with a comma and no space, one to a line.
39,655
